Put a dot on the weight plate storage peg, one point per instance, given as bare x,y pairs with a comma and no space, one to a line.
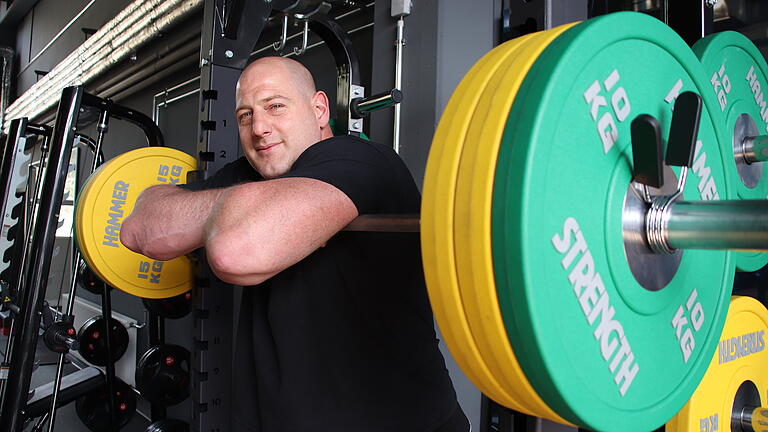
92,338
107,198
162,374
736,383
93,408
738,77
604,345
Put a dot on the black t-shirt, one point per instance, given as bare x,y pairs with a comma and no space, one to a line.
343,340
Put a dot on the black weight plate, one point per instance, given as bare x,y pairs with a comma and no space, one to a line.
173,307
87,279
162,374
93,407
168,425
93,341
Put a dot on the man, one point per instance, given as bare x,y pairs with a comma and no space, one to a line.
335,332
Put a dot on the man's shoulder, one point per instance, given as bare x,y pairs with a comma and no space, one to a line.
349,146
234,172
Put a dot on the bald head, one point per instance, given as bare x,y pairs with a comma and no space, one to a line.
298,75
279,114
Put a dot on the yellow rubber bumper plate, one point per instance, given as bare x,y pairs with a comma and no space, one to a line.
472,227
437,223
605,348
737,377
106,199
738,77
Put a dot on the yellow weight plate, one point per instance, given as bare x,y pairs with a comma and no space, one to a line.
437,222
106,199
740,357
78,211
472,226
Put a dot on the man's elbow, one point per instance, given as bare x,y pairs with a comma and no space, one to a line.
232,265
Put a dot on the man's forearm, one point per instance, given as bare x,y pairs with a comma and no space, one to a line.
168,221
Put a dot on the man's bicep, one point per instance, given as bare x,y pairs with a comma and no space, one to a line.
265,227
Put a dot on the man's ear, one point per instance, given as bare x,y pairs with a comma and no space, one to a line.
322,108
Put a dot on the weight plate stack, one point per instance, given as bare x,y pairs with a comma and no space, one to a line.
437,223
737,377
106,199
437,227
472,219
738,77
602,350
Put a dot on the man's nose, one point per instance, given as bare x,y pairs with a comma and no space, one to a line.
260,125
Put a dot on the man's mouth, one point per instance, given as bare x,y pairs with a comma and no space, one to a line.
266,147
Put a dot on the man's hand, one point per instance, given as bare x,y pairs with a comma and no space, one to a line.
167,221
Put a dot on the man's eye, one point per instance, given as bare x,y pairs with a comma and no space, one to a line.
276,106
244,117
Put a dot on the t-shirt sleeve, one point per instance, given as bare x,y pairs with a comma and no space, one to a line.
228,175
355,167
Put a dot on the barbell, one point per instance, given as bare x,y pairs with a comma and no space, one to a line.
577,270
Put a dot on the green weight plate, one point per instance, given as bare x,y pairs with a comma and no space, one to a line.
738,77
602,350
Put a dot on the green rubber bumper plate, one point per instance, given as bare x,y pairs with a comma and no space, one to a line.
600,349
738,78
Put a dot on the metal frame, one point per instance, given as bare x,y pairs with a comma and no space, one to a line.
519,18
27,322
22,137
23,356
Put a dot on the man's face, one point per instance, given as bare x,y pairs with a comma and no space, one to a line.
278,118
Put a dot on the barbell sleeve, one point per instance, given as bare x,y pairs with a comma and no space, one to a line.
753,419
755,149
733,225
361,107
